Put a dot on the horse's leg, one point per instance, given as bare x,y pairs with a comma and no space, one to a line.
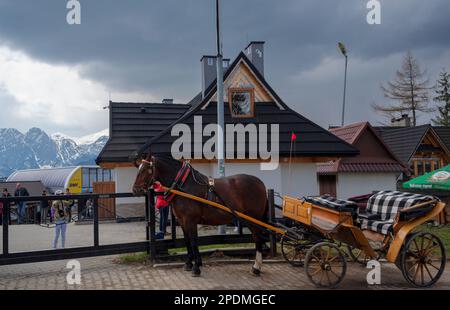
190,254
197,257
259,243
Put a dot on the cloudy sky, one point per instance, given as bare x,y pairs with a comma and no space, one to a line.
59,77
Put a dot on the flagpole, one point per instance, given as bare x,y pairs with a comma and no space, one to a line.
220,107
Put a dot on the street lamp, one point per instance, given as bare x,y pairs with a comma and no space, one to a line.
344,52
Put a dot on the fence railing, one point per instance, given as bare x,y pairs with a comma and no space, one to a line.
155,248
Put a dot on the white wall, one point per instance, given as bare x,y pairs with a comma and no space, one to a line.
124,178
301,181
354,184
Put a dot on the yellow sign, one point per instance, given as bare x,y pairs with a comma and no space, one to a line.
75,182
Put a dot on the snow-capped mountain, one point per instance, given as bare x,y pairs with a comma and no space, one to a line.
36,149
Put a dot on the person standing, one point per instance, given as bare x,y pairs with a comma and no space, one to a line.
44,208
68,205
5,194
163,207
21,206
60,218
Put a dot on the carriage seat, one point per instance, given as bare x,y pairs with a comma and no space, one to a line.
383,207
330,202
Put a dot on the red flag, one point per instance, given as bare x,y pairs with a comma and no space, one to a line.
293,137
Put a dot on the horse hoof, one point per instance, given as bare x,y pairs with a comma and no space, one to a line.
256,272
188,267
196,271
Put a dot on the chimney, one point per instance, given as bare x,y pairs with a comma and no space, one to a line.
209,70
403,121
255,52
167,101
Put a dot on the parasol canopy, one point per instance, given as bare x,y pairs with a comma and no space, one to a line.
437,180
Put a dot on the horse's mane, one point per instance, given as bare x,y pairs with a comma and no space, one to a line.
198,176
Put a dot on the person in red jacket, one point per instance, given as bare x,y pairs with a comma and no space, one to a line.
163,207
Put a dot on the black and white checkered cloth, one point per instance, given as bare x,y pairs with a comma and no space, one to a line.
332,203
386,205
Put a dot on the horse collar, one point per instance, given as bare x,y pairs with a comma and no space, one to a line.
179,180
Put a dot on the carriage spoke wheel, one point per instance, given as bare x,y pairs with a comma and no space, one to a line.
325,265
358,255
293,250
423,259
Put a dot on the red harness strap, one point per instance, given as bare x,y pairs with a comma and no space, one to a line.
179,181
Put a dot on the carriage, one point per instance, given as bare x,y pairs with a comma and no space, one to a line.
325,228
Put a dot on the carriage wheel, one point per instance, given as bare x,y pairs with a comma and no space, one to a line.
358,255
325,265
294,250
423,259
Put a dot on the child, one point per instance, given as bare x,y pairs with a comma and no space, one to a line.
163,207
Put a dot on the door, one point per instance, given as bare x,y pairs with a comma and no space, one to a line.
327,185
106,206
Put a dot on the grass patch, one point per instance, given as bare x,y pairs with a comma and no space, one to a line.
133,258
443,232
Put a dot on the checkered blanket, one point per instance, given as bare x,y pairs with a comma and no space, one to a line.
386,205
332,203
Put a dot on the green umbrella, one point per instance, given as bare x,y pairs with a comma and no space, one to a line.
438,180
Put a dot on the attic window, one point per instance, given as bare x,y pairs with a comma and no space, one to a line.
242,102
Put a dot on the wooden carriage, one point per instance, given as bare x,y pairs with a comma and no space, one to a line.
325,226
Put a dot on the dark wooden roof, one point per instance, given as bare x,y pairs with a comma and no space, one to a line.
312,140
404,141
132,124
443,133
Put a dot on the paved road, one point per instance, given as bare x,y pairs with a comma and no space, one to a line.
104,273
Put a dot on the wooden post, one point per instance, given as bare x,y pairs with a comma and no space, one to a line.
96,237
151,204
271,218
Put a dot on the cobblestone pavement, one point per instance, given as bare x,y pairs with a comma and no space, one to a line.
103,273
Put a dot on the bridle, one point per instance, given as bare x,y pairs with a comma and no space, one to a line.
177,183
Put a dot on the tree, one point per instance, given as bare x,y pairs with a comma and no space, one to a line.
443,99
409,90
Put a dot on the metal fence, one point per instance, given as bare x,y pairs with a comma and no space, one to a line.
157,249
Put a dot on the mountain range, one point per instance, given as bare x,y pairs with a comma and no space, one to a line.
37,149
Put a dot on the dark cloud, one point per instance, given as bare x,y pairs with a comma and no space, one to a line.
156,46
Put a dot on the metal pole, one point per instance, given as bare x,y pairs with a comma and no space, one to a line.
5,224
220,107
271,218
147,222
151,200
96,237
345,89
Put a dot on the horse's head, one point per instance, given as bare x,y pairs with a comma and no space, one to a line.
145,176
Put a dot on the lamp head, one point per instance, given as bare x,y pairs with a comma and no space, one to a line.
342,49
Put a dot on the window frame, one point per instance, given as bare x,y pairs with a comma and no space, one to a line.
251,91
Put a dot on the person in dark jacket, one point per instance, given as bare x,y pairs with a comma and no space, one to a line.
44,208
5,194
21,206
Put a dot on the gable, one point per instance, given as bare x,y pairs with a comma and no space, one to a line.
242,77
370,146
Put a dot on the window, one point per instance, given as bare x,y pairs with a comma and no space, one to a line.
242,102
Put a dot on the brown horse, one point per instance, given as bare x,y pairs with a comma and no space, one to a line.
243,193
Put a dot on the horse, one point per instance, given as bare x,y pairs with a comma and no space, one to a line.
243,193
